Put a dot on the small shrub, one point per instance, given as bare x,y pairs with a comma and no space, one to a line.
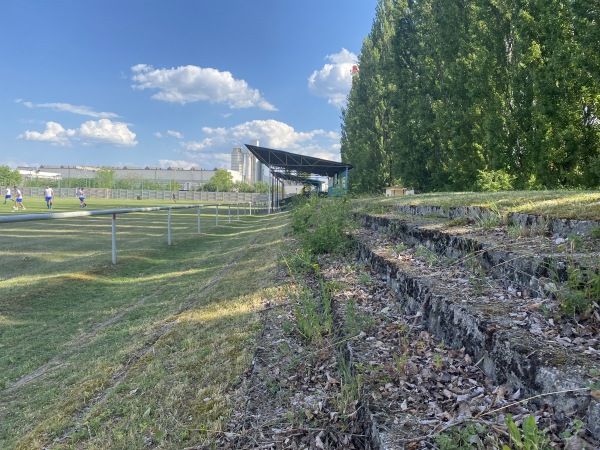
494,181
299,262
322,224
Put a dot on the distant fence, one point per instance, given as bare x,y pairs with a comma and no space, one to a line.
227,210
144,194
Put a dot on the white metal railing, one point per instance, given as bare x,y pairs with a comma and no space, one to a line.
114,212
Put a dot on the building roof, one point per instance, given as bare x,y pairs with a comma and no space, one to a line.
279,159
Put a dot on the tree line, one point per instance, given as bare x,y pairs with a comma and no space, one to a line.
105,177
476,95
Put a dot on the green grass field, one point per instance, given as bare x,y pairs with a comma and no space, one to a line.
137,354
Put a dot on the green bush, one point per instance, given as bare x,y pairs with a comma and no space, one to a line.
494,181
322,224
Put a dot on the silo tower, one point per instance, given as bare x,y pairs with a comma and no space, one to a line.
237,159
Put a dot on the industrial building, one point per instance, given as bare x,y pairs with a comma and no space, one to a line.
189,179
245,168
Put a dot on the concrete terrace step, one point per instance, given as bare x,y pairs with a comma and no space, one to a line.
495,316
532,265
553,225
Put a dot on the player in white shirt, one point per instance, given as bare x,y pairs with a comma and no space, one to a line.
19,199
7,195
48,195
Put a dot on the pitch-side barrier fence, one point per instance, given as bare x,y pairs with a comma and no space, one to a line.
248,208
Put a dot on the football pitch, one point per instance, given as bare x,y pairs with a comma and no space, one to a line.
96,355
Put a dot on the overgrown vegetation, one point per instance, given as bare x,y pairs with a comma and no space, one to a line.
322,225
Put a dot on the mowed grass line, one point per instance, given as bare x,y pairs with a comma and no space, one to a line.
135,353
567,204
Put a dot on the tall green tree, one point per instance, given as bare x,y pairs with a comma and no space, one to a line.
9,177
221,181
418,75
367,129
105,177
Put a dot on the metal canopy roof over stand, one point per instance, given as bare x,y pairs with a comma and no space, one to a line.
281,164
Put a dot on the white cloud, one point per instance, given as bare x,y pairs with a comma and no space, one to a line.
214,150
196,145
175,134
270,133
334,80
54,133
104,130
66,107
90,132
186,84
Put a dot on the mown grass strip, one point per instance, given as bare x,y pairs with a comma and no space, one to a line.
134,353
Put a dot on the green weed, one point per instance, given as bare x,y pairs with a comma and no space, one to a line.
459,222
400,247
314,316
528,437
583,290
348,395
428,255
356,321
465,437
491,218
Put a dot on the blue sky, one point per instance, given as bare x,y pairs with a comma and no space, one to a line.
173,83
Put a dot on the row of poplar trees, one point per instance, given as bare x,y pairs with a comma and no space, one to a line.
476,95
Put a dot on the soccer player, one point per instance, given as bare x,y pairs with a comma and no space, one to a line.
81,196
48,195
7,195
19,200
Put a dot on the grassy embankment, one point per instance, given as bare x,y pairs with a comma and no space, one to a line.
583,205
